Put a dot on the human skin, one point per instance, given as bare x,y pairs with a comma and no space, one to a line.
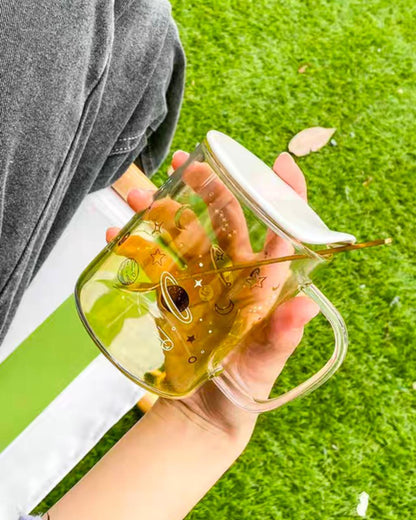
167,462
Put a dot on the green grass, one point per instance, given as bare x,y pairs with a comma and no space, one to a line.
313,458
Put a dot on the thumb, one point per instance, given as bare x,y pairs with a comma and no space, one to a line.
267,353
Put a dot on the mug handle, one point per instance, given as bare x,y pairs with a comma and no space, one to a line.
239,395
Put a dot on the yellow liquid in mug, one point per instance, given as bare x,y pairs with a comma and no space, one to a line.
157,312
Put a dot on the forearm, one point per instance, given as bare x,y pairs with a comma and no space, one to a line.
160,469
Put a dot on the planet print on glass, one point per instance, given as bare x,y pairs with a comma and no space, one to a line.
128,271
174,298
206,293
165,341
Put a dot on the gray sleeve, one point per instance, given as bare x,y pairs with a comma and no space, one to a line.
162,128
148,132
86,88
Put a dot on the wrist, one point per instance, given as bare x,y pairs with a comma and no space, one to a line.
192,423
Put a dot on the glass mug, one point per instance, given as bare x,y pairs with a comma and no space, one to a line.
170,300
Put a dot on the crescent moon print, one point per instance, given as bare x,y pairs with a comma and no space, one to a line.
224,310
165,341
183,315
178,214
206,293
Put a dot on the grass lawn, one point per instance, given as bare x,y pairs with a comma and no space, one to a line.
312,459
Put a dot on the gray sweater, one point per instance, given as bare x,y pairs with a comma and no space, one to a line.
86,87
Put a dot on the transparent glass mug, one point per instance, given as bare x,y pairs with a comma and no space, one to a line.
170,300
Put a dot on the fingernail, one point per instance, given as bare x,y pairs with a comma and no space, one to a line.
177,151
139,191
313,311
312,308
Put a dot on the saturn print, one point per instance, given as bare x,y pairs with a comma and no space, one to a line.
175,298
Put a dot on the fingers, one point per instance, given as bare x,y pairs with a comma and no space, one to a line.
184,228
139,200
111,233
286,328
167,215
286,331
180,227
179,158
226,215
267,353
292,316
287,169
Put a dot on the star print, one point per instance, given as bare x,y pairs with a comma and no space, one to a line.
157,227
157,257
198,283
219,255
191,339
258,282
255,280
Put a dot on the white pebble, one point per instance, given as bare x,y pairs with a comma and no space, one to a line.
363,504
395,301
